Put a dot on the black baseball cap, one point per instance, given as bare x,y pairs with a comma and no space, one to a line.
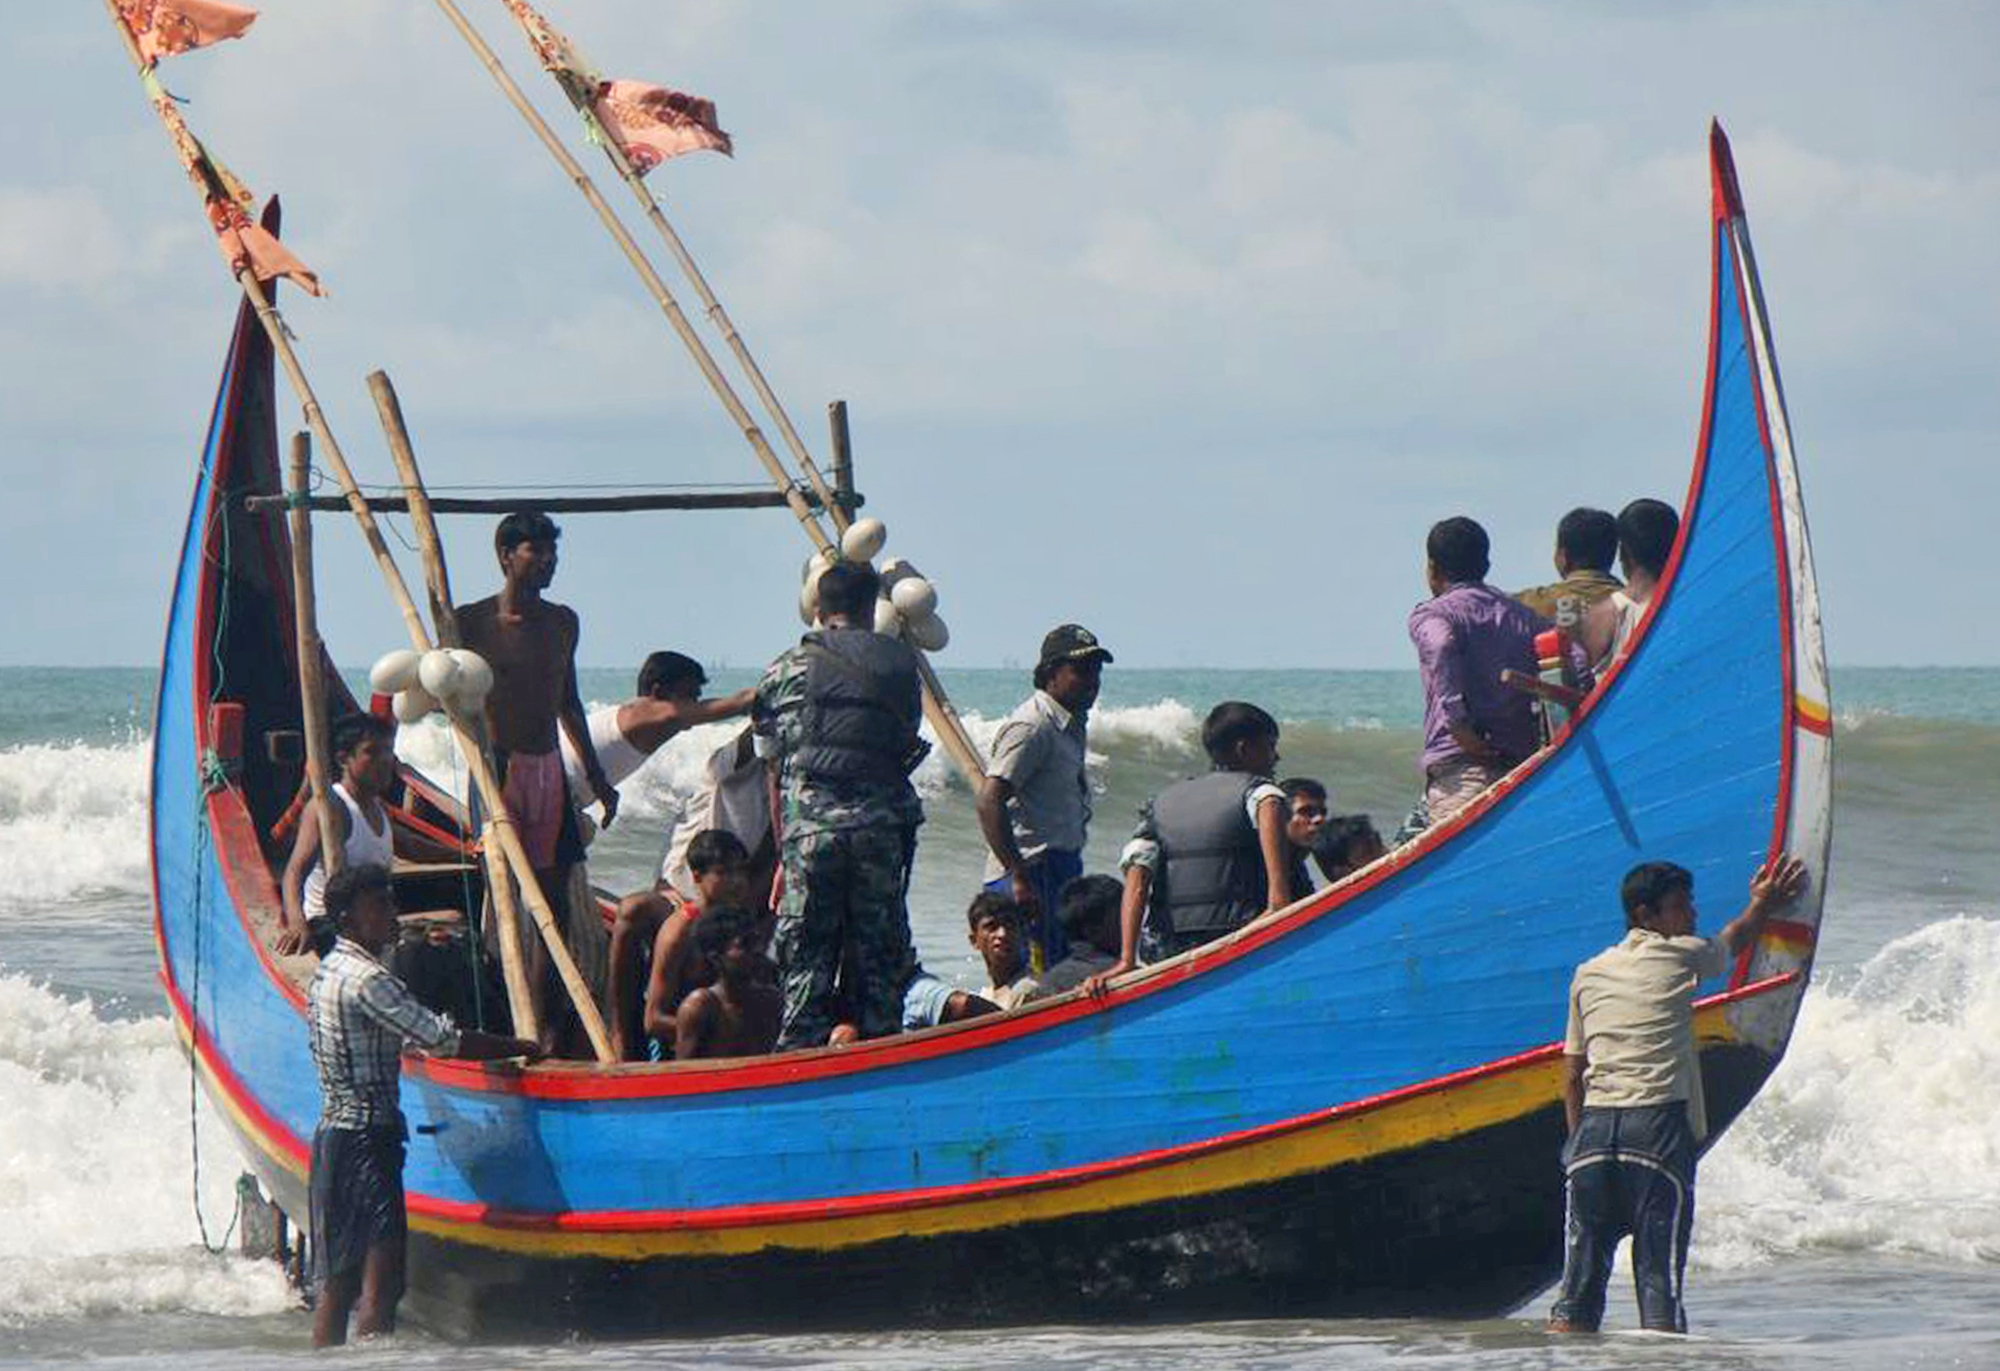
1070,643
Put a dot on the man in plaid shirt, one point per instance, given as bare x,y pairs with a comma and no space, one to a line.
361,1017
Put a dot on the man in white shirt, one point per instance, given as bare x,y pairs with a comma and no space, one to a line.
1632,1090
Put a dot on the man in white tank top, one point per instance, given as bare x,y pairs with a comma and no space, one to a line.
364,755
625,735
1647,530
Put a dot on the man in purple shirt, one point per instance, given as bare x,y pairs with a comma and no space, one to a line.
1476,730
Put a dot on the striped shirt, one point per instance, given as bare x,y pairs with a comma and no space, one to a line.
360,1017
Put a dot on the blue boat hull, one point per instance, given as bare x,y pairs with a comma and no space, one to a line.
1352,1107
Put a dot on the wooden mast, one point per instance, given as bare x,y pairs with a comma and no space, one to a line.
513,859
281,345
944,718
312,653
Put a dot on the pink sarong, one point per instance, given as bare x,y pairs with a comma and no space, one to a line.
536,795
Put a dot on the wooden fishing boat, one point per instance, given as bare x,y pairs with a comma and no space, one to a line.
1349,1108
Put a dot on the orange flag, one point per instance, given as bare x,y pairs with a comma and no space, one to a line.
648,123
243,241
651,123
166,28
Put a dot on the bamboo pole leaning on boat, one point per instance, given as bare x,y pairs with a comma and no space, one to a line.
207,179
944,718
312,653
515,862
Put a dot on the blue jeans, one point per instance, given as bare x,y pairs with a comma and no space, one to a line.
1048,871
1628,1171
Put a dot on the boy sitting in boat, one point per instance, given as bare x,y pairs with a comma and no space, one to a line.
1088,908
1337,844
722,881
364,754
1586,546
1647,531
731,798
626,735
737,1013
1632,1090
1210,853
994,927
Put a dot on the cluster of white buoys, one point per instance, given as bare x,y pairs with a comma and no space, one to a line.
908,607
456,679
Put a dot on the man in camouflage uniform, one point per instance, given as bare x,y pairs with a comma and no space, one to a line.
837,717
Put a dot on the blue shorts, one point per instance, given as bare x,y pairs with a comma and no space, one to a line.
1049,871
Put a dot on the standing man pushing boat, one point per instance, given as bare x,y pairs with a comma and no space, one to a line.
837,717
1034,806
531,644
1632,1090
360,1017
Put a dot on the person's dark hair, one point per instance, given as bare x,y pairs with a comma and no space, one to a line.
1343,834
346,887
1648,883
1589,537
989,904
1044,673
1646,533
714,847
1459,549
525,526
1086,902
1233,722
352,730
719,928
661,669
849,588
1295,786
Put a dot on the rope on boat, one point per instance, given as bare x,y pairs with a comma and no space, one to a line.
214,777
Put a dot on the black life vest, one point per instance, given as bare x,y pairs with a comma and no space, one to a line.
1211,876
863,701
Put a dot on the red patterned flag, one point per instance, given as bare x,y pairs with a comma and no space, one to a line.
651,123
648,123
166,28
243,241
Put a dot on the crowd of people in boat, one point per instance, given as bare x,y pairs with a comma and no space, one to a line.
779,918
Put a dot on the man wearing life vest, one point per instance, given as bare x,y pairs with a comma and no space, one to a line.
1209,854
837,718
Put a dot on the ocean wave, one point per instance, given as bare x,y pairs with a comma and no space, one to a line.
72,822
1877,1133
99,1176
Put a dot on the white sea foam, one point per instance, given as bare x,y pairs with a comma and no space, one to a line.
1878,1133
97,1183
72,822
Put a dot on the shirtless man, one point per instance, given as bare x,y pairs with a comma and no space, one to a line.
531,644
736,1015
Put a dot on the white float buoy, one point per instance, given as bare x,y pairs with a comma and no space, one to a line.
929,633
394,670
863,539
915,596
887,620
475,676
413,703
809,603
437,673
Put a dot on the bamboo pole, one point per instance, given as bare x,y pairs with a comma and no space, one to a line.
662,296
502,826
281,345
944,719
312,654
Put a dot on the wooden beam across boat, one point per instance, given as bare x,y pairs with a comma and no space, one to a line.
634,502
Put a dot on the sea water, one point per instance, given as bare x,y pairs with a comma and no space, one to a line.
1851,1218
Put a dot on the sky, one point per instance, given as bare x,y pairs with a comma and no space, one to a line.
1183,321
